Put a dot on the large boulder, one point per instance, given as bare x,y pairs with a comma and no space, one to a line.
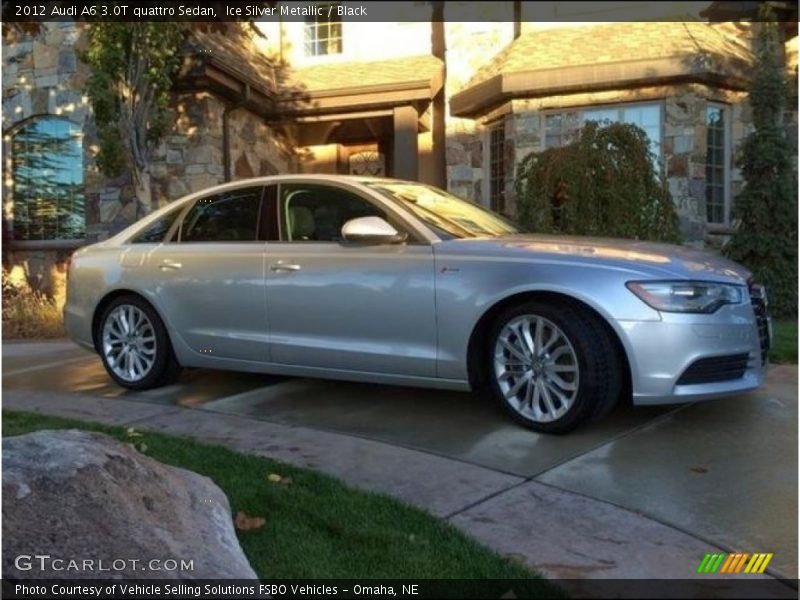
80,496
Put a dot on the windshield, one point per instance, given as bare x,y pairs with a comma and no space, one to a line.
449,216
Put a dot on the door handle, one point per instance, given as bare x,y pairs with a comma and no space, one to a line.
169,265
284,266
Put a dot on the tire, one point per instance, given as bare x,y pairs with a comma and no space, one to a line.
152,362
577,378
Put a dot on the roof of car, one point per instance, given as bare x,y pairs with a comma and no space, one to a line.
301,177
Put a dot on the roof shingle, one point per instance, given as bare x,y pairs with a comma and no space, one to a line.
236,50
615,42
350,74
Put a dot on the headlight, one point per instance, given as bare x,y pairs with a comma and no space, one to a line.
686,296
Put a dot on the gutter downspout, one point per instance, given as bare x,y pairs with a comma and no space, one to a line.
226,133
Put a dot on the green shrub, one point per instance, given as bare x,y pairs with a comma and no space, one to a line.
29,314
766,237
603,184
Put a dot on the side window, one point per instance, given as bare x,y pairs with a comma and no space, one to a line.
157,230
316,213
227,217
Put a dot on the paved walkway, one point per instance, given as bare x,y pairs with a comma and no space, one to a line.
546,513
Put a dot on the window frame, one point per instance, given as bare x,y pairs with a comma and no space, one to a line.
619,106
497,166
312,24
727,155
12,161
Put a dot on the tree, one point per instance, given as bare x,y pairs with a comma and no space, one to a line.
132,70
766,209
605,183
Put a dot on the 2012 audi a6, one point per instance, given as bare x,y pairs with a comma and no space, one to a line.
396,282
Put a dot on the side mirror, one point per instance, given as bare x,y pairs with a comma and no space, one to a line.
371,230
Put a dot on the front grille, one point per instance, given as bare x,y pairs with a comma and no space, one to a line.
715,369
758,298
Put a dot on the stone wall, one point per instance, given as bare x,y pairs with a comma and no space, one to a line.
256,150
190,157
44,76
684,160
464,159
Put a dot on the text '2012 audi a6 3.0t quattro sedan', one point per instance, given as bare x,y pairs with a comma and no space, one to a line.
387,281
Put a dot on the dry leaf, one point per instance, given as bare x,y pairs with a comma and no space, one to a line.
274,478
245,522
133,433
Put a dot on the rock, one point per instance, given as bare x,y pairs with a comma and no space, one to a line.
40,101
109,210
45,57
174,156
199,154
82,496
67,61
176,189
242,168
267,168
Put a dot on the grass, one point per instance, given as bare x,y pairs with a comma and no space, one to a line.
30,315
784,343
316,527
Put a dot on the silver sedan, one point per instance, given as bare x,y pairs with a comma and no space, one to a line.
397,282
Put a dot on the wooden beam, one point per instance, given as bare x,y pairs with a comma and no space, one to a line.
405,145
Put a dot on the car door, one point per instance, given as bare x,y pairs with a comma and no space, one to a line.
340,305
209,278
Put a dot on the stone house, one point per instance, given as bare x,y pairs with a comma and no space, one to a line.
683,83
456,104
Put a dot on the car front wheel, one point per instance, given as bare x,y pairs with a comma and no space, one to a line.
552,368
134,345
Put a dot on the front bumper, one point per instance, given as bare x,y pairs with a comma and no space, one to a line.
660,352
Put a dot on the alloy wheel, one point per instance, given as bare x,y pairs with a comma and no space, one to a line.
129,342
536,368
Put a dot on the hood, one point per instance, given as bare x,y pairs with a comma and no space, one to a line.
650,258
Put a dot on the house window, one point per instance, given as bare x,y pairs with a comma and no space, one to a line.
47,180
716,171
497,168
562,128
323,33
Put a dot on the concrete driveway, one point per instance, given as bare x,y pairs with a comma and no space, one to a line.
724,472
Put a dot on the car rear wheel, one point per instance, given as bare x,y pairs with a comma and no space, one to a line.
134,345
553,368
